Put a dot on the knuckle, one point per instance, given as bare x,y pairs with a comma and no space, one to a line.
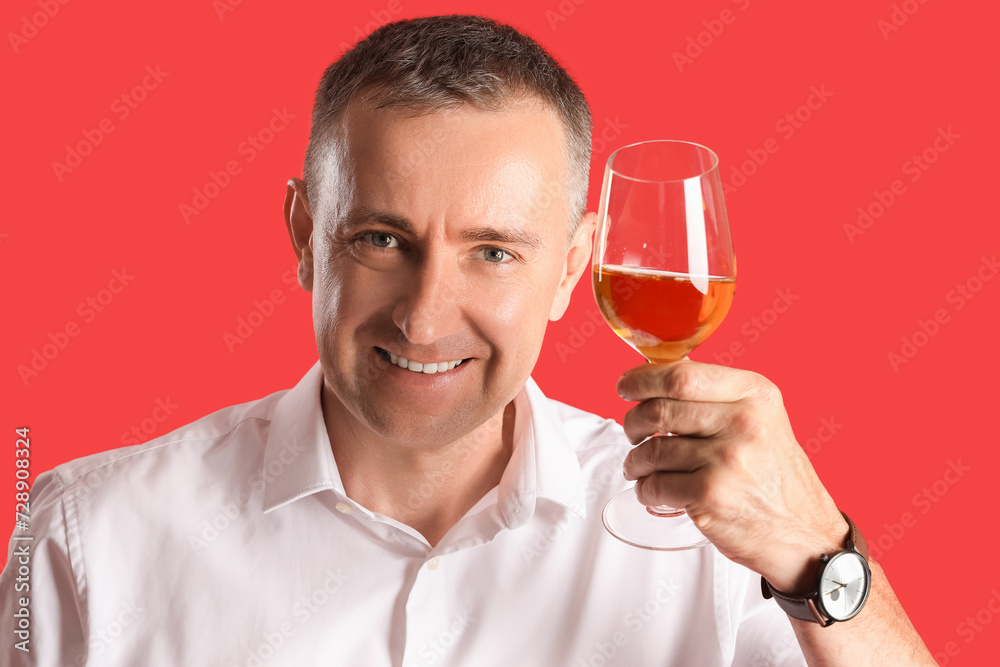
712,493
761,387
652,491
749,424
642,491
659,449
631,424
628,465
635,460
660,412
681,382
733,457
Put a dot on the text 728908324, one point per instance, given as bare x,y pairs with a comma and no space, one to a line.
22,552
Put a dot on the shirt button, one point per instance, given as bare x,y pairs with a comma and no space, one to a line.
343,507
433,563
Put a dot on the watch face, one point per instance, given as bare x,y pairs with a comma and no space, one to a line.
844,585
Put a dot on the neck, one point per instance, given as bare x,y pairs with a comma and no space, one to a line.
428,487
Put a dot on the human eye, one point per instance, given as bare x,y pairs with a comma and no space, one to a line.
381,239
496,255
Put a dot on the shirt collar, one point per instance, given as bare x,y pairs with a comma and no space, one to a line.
543,464
298,459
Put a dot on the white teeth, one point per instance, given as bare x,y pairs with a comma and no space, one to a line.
417,367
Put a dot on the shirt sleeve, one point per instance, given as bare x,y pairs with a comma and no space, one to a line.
764,636
41,588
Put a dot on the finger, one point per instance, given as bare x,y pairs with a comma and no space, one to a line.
668,415
690,381
674,489
668,454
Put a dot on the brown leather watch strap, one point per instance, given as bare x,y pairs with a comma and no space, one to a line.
856,540
796,607
804,608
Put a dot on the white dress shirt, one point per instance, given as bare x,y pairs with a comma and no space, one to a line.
230,541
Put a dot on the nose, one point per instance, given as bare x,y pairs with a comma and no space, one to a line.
429,308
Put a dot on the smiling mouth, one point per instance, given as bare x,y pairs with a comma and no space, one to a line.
416,366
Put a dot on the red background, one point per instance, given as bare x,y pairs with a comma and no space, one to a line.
162,337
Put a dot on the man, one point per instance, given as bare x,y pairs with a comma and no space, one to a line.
415,499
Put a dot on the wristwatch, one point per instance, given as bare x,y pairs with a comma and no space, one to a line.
841,588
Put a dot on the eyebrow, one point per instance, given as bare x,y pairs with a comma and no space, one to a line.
498,235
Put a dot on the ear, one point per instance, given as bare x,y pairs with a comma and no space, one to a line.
577,261
298,220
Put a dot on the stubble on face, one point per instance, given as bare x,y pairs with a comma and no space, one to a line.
484,170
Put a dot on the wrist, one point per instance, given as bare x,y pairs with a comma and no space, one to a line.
800,566
840,588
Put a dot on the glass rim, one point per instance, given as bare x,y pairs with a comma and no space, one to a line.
702,174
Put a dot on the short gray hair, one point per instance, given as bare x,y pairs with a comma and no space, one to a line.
440,62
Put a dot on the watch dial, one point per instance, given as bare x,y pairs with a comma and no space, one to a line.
844,585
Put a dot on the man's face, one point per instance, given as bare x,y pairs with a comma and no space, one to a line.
438,238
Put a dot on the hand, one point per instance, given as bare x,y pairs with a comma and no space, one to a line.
734,465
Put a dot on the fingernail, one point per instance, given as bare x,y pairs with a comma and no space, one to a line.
619,387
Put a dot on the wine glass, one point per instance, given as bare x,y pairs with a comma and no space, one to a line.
664,277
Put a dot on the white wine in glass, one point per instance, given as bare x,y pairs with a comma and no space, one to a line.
664,277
